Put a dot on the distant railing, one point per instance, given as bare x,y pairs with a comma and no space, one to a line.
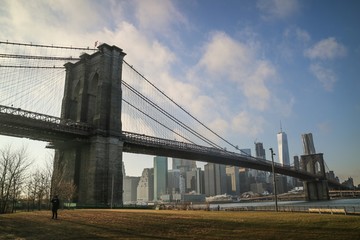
290,208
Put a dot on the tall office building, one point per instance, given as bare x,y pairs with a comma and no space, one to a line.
195,181
160,176
245,151
308,143
259,150
260,176
215,179
183,164
233,180
174,181
145,188
130,189
283,148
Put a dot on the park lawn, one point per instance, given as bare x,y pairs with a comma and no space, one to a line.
172,224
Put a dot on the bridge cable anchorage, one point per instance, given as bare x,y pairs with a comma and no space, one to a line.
171,117
182,107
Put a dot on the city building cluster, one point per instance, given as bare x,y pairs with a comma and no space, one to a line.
185,182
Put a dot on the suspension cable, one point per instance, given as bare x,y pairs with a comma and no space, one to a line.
48,46
157,121
170,116
181,107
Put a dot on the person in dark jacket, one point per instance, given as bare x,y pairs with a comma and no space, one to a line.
55,206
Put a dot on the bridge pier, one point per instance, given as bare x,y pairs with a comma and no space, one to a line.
93,95
315,190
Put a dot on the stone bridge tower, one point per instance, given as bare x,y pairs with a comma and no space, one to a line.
315,189
93,95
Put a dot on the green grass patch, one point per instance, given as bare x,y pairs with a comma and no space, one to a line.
152,224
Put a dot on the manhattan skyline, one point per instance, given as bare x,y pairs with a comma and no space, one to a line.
239,66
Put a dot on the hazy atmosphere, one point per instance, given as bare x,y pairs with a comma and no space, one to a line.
240,66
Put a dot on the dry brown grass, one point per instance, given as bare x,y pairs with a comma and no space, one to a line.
152,224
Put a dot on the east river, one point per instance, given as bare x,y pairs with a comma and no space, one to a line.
350,205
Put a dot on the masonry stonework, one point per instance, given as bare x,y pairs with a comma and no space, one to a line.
316,189
93,95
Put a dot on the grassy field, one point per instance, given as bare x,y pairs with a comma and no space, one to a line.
161,224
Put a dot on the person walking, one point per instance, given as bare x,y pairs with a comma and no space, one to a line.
55,206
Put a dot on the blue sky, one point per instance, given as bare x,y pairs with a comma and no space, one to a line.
240,66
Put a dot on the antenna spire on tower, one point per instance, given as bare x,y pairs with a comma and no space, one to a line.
280,126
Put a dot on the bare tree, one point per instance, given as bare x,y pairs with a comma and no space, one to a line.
67,192
38,188
13,166
60,185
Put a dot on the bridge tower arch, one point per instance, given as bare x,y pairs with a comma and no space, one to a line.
92,94
315,189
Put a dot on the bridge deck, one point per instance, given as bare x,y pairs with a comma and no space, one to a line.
21,123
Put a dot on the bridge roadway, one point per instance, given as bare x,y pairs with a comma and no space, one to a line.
21,123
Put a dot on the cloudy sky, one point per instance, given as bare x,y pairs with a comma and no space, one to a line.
240,66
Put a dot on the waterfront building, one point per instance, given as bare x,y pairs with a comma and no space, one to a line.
233,180
183,164
160,176
259,188
130,189
251,173
195,181
215,179
145,188
260,176
174,181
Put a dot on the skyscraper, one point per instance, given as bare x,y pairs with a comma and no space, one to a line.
260,176
233,180
145,188
160,176
308,143
283,148
215,179
174,181
130,189
259,150
183,164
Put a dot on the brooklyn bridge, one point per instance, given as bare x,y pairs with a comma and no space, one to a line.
90,105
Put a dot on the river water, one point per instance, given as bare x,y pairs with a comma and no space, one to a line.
351,205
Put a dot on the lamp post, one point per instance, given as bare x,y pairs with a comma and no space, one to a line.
274,179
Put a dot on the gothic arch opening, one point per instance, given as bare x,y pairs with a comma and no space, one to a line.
92,93
309,167
317,167
74,101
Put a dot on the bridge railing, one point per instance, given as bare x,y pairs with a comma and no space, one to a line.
141,139
137,138
65,124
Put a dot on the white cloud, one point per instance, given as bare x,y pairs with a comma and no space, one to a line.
226,59
157,15
326,76
326,49
277,9
58,22
302,35
245,123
